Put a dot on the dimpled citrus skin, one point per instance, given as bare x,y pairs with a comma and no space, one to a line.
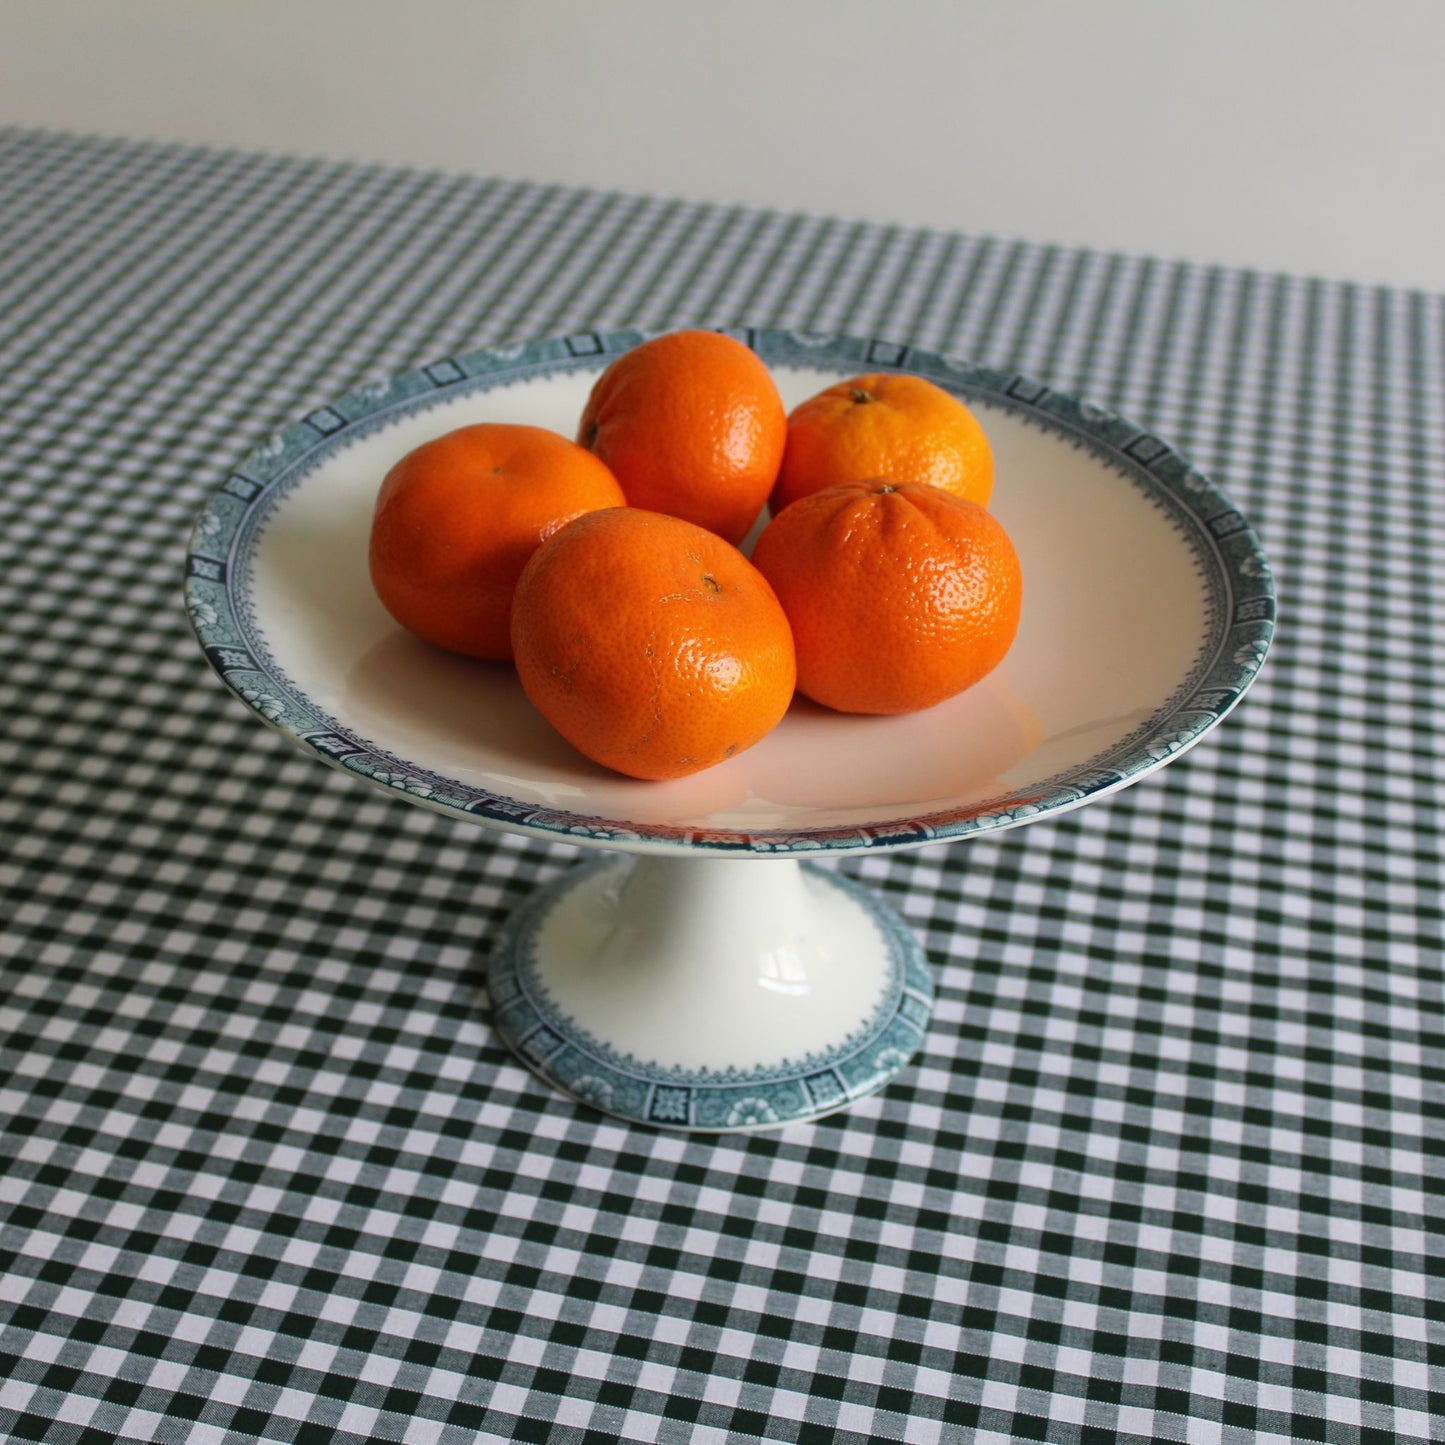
457,518
886,424
899,594
653,646
691,424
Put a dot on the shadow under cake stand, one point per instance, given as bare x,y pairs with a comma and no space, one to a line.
708,969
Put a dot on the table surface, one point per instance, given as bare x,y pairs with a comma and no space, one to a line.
1169,1163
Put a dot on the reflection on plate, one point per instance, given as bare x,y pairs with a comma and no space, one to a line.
1148,610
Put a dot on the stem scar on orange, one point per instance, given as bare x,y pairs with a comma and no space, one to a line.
899,594
885,424
457,518
654,647
692,425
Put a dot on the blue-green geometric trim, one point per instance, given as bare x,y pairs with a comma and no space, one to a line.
562,1051
1240,599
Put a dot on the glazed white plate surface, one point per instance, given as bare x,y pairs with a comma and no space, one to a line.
1147,611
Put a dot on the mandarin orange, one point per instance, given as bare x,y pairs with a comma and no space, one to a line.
899,595
457,518
692,425
887,424
653,646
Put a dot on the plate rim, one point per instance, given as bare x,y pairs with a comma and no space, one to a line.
1237,636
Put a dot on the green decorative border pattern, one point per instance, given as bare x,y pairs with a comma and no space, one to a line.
1240,608
667,1096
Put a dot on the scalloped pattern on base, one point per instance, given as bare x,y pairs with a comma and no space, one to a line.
562,1051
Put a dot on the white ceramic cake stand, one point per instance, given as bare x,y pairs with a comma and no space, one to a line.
700,973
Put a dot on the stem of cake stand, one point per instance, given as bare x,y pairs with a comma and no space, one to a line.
707,992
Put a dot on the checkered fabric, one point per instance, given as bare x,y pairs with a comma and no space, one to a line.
1169,1164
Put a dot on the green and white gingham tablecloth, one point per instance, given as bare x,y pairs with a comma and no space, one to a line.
1169,1166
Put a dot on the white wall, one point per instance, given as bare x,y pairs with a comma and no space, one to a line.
1306,135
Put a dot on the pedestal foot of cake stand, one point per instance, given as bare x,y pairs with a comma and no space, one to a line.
710,993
